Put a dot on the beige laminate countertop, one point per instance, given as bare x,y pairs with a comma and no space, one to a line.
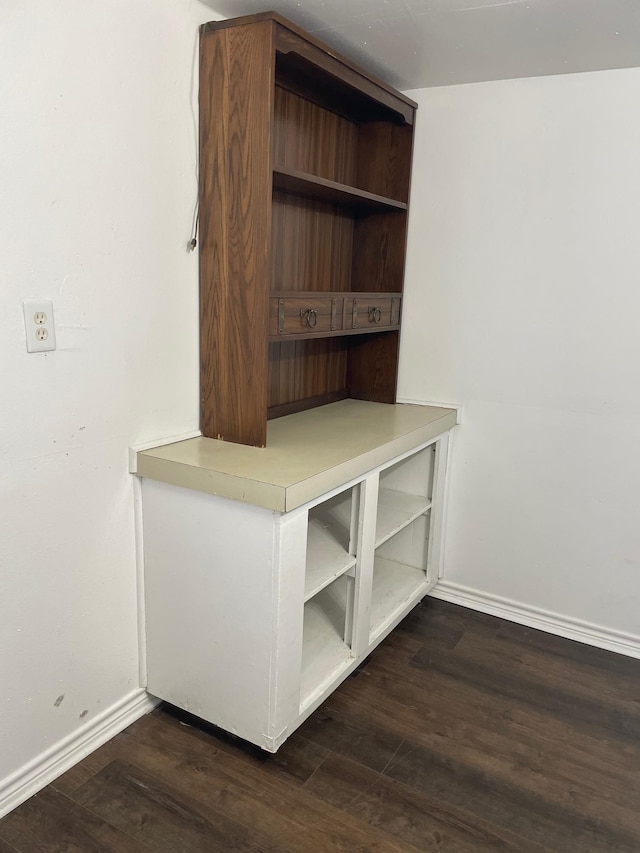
307,454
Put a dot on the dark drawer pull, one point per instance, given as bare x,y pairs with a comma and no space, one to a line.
309,316
375,313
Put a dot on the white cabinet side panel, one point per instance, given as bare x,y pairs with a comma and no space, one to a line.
288,615
436,532
208,591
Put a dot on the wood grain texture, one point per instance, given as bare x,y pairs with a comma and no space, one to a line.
294,29
236,96
306,403
312,245
355,92
185,780
460,733
409,815
372,370
162,815
384,159
335,313
307,314
309,138
379,243
284,23
50,822
306,368
371,312
305,168
306,185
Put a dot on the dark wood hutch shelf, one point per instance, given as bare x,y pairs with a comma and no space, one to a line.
312,187
305,174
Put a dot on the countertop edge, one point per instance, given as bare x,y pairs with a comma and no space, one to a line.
281,497
300,493
218,483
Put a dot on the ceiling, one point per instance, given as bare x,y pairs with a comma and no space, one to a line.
417,43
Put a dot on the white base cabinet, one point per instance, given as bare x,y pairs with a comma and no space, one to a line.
253,616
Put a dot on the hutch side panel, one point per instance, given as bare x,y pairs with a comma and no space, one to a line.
236,102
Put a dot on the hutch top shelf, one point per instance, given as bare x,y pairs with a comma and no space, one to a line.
306,63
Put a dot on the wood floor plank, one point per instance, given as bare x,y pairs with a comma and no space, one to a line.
589,676
162,816
530,728
435,618
82,772
580,705
5,847
585,773
352,736
396,650
50,822
180,759
294,762
507,805
570,650
408,815
432,628
480,627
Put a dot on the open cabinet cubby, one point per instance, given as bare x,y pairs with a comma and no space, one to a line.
330,542
329,578
326,647
400,568
404,494
401,560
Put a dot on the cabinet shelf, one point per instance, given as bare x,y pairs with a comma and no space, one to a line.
324,651
328,543
326,558
320,189
396,510
394,584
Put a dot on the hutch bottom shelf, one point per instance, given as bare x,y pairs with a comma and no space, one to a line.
271,573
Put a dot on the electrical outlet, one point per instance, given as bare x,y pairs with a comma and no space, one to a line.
39,325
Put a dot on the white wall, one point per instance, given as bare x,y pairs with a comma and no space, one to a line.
523,303
522,299
97,187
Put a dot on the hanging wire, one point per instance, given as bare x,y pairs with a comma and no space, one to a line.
193,242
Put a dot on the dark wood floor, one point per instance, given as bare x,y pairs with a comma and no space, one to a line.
461,733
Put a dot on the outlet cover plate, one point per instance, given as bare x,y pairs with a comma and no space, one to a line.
39,325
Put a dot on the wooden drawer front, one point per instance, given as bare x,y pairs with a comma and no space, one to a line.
305,315
372,312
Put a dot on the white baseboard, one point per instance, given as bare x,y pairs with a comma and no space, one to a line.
56,760
543,620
